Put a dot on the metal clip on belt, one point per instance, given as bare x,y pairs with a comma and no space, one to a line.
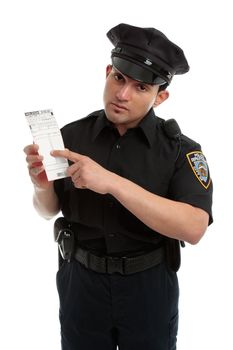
66,243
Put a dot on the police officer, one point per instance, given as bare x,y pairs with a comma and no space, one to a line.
136,187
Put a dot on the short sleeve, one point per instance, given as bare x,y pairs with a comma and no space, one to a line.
191,182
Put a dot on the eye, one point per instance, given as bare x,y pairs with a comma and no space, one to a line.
118,76
142,87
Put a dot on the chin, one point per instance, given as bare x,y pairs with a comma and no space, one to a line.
113,113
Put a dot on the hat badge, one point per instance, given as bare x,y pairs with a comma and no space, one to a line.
148,62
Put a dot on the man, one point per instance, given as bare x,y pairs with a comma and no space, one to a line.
134,190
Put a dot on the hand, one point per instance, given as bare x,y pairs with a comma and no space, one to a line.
36,168
86,173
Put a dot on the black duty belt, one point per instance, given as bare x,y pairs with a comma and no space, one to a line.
64,236
122,265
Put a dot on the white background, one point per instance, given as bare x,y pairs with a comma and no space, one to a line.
53,55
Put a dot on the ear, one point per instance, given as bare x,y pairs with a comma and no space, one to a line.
161,97
108,69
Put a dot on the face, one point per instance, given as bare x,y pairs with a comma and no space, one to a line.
127,101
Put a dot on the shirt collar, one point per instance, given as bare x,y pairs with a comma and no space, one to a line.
147,125
100,123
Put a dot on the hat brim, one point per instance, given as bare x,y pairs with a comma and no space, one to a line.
137,72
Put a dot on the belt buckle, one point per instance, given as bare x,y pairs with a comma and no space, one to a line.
115,264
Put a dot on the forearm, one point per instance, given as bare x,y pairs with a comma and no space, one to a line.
170,218
46,202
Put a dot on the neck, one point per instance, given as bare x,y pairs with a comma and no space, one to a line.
121,129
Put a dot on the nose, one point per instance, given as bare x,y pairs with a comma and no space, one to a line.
124,93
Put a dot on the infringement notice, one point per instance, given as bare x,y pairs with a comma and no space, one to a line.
46,134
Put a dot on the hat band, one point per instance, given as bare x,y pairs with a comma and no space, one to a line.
136,71
146,63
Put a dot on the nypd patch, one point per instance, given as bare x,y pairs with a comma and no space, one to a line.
199,166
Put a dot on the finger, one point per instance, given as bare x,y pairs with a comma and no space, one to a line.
66,153
74,168
31,149
78,183
76,176
35,171
81,187
31,159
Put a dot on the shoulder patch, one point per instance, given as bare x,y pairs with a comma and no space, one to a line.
200,167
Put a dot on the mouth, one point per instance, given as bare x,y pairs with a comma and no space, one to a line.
119,106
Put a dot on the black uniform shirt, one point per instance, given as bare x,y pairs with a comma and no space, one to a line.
144,155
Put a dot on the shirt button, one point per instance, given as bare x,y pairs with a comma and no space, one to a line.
118,146
111,235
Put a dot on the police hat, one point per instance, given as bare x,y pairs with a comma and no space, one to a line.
146,54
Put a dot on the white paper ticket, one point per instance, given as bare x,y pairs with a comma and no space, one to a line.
46,134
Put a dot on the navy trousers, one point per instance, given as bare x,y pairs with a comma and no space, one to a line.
134,312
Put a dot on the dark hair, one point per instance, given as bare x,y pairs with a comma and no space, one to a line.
163,87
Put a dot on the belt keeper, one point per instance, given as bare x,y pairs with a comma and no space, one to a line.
88,259
123,264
